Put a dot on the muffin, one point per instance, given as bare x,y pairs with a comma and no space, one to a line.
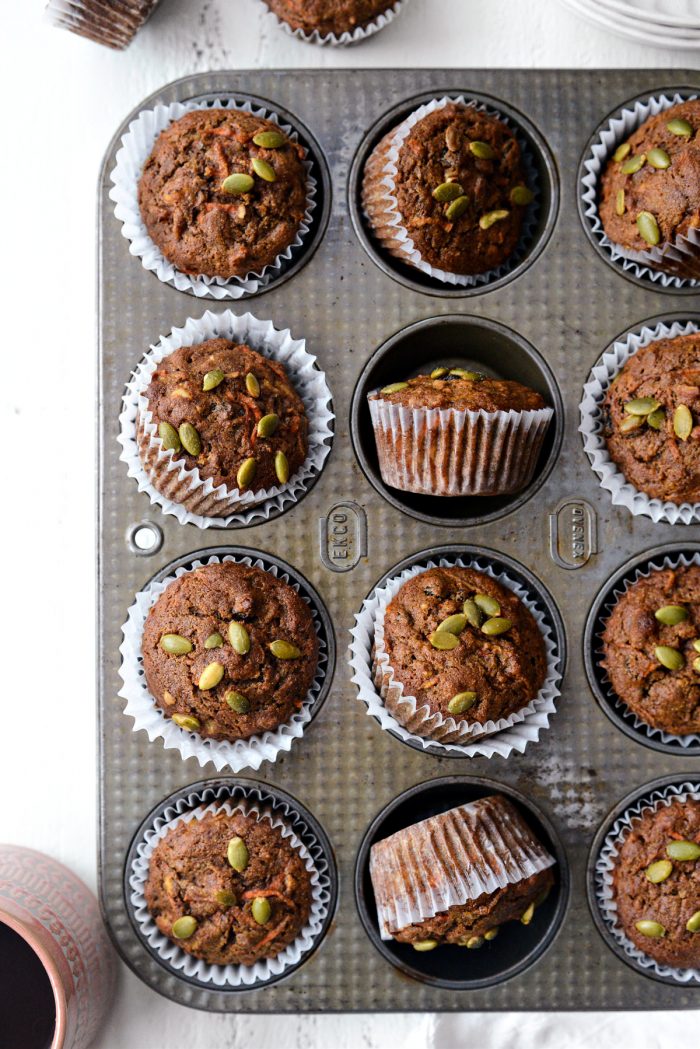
463,646
445,190
329,18
114,25
228,889
649,419
223,192
229,651
457,432
456,877
228,412
656,884
650,188
651,649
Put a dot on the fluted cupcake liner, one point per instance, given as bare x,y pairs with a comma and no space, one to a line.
182,491
689,740
382,211
451,452
683,255
398,713
194,807
605,865
356,36
451,858
114,25
148,717
611,477
136,147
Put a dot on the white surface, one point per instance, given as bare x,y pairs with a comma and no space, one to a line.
638,24
63,98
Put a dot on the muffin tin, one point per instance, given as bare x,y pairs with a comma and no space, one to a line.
550,318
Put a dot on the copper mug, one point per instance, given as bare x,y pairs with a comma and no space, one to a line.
56,963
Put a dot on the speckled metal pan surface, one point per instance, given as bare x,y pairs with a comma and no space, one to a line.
565,301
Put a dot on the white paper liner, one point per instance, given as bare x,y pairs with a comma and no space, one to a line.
148,717
400,244
611,477
451,858
493,737
610,136
137,144
605,865
356,36
689,740
195,806
246,507
451,452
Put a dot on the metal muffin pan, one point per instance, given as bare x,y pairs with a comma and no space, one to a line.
568,305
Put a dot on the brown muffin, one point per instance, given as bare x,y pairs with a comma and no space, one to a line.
463,390
190,876
209,611
243,388
328,16
476,673
204,228
664,698
469,227
659,176
669,903
659,451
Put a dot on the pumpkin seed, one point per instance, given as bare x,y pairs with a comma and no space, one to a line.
482,150
447,191
225,898
681,127
648,228
650,928
269,139
438,373
464,373
658,158
237,854
696,665
621,152
670,658
246,472
214,641
521,196
491,934
443,640
191,441
213,379
693,923
474,942
620,202
454,624
656,419
457,208
487,604
284,650
475,616
671,615
682,422
424,945
281,467
491,217
252,385
187,722
495,626
175,645
169,436
239,638
210,676
461,702
263,169
659,871
641,406
632,423
238,183
238,702
393,387
528,915
634,164
268,424
696,644
168,698
184,927
261,910
683,850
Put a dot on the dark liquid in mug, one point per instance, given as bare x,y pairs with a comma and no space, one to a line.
27,1007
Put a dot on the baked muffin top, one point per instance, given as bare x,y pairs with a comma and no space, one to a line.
458,147
461,389
657,894
217,203
649,649
228,889
250,423
328,16
649,419
229,651
655,173
464,645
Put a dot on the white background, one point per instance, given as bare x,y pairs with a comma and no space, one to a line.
63,97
